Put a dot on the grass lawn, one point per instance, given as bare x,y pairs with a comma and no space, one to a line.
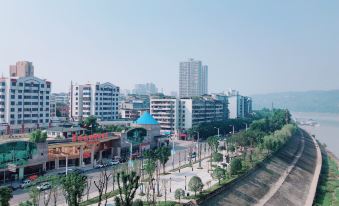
328,186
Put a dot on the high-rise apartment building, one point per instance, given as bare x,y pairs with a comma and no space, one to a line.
21,69
193,78
24,99
204,82
100,100
145,89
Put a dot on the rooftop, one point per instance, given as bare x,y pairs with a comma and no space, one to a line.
146,118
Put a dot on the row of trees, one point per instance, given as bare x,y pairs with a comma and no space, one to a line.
74,186
210,129
268,124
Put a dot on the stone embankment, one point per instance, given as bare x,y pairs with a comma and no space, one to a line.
287,178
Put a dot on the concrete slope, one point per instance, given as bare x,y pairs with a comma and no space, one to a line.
284,180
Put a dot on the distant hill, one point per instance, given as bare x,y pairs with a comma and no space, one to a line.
310,101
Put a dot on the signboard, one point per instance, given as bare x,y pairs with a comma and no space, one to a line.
11,167
89,138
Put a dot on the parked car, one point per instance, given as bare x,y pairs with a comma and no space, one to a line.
26,183
193,155
44,186
114,162
99,165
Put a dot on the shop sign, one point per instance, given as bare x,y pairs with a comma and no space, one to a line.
89,138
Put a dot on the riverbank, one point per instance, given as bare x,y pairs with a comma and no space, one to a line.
328,186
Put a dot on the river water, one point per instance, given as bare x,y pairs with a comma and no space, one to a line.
326,132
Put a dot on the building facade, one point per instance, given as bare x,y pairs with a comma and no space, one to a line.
198,110
175,115
133,106
145,89
100,100
239,106
165,110
193,78
24,100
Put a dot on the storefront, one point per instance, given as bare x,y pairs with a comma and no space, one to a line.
83,150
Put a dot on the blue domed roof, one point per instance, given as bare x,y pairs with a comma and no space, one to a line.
146,118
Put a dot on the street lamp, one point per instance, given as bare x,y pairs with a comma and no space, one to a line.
185,182
173,152
218,131
232,128
199,152
170,184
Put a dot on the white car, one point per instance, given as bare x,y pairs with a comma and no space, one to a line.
44,186
26,183
114,162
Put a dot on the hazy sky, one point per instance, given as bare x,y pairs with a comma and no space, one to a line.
252,46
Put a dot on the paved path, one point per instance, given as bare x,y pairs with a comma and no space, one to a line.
179,158
314,184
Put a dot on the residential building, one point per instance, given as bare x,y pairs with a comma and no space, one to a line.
165,110
100,100
61,98
24,99
224,99
239,106
21,69
197,110
193,78
133,106
175,114
60,105
145,89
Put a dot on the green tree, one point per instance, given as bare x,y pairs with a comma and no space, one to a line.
179,193
128,188
26,203
231,148
195,185
213,143
34,194
219,173
91,123
163,154
217,157
5,196
236,166
73,185
38,136
138,202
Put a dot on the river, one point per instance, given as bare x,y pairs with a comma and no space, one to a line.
327,131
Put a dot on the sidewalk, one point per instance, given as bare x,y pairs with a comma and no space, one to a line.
170,182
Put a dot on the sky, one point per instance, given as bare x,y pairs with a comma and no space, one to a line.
252,46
